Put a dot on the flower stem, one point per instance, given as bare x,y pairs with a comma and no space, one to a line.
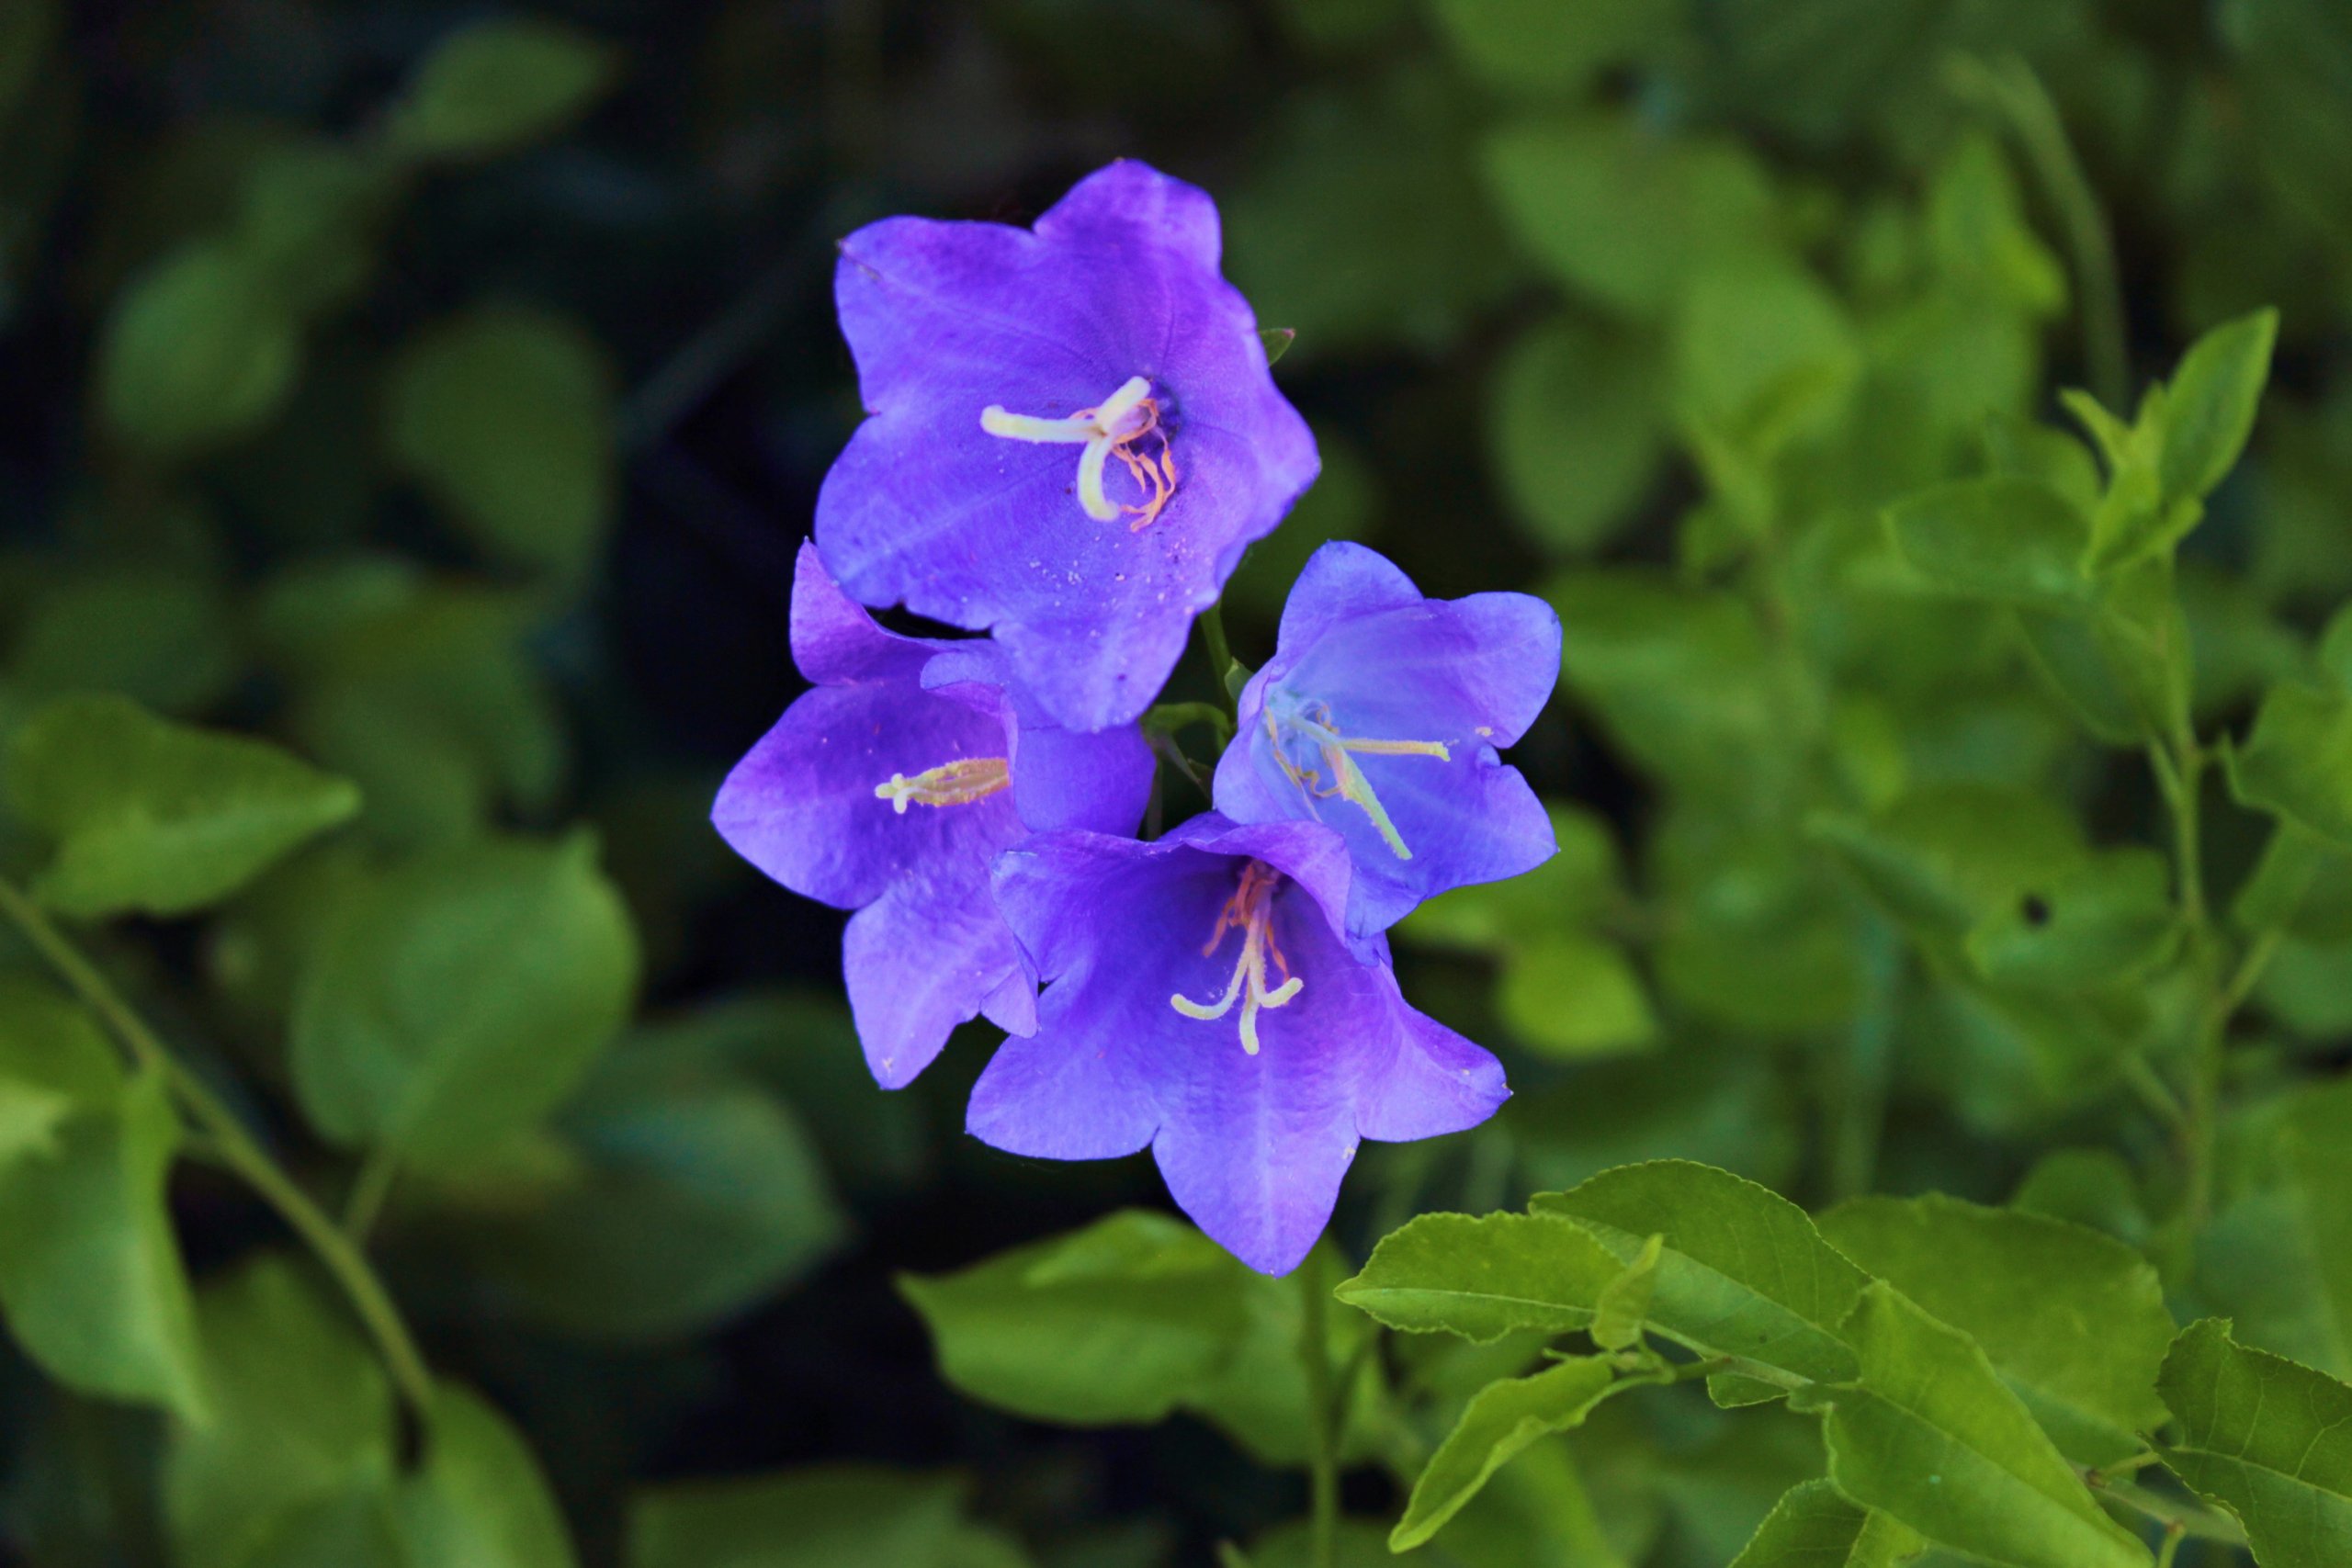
1322,1411
1220,652
232,1147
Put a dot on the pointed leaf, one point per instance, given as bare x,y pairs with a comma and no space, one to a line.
2297,764
1932,1436
155,817
2074,1321
1743,1272
1482,1277
1503,1419
500,85
479,1500
2211,401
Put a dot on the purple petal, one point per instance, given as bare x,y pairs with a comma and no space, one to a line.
800,805
834,641
1340,582
1254,1147
1064,779
921,959
927,509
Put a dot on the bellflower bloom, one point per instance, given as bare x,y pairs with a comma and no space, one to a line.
1203,998
1379,715
889,788
1071,435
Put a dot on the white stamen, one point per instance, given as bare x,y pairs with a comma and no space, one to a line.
1110,429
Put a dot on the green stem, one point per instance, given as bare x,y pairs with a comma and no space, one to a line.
1220,652
2011,89
233,1146
1322,1411
370,1192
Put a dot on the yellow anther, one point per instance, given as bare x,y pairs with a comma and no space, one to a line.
959,783
1313,723
1250,912
1117,428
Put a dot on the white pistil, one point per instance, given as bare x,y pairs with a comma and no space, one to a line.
959,783
1249,911
1113,429
1313,723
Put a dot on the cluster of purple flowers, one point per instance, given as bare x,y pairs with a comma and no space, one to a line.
1223,994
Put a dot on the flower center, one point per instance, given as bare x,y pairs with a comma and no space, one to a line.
1320,760
1120,427
1250,912
958,783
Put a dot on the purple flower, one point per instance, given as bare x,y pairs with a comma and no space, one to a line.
1380,714
984,354
1204,1000
889,788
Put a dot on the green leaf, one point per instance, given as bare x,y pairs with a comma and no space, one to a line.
461,998
1578,434
688,1194
505,417
1947,858
2266,1438
2005,539
1744,1273
1538,48
1503,1419
1931,1436
1482,1277
200,351
2297,764
1624,214
826,1516
157,636
1258,1396
498,85
1813,1526
1119,1322
1761,354
479,1500
299,1445
2109,919
91,1281
1277,342
1624,1302
155,817
2212,402
1573,996
2278,1256
2074,1321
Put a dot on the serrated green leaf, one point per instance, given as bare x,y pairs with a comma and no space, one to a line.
201,350
478,1500
498,85
1931,1436
2074,1322
2266,1438
2003,539
156,817
301,1441
2297,764
2212,402
505,417
1119,1322
1744,1272
1813,1526
1501,1420
1483,1277
461,997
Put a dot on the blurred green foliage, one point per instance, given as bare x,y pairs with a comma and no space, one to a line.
419,1144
